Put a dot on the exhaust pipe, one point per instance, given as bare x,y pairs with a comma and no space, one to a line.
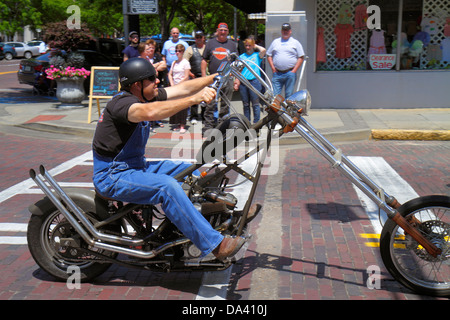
77,212
100,238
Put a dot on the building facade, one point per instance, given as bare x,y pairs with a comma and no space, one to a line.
374,53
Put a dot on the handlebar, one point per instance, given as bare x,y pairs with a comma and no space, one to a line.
233,66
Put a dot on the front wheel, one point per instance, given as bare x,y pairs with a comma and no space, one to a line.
44,236
406,260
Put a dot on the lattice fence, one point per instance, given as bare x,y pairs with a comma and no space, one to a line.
439,9
326,17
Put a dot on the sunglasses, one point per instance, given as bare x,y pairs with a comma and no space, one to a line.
179,50
152,78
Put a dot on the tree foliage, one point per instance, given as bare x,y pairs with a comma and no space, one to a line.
15,15
57,35
104,17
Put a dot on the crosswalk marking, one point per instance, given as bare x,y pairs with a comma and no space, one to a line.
380,172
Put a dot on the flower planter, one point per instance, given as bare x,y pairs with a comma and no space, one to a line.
70,91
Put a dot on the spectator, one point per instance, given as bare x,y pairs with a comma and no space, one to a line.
215,53
168,50
178,73
285,56
147,51
254,59
131,51
156,59
194,54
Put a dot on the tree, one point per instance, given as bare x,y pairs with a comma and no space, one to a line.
15,15
167,10
57,35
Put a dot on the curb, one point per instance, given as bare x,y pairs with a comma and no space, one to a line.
396,134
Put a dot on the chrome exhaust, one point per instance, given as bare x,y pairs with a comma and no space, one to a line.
86,229
79,214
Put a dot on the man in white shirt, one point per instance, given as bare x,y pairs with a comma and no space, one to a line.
285,57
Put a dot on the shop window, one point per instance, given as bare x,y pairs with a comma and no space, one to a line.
346,42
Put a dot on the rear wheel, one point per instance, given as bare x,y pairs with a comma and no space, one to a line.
47,241
407,261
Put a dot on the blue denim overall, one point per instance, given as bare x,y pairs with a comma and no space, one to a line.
130,178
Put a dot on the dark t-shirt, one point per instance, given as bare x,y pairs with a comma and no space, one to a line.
131,52
216,52
113,128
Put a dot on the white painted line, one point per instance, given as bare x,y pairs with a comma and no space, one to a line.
380,172
13,227
13,240
215,283
29,183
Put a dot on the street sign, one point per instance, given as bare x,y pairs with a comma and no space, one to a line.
141,7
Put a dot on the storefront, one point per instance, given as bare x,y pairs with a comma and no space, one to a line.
395,56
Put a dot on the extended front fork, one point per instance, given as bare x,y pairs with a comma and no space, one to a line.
339,161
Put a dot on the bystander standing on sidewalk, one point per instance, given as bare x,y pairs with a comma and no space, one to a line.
147,50
253,55
285,56
168,50
194,54
131,51
215,53
178,73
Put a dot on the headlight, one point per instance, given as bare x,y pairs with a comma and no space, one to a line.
300,102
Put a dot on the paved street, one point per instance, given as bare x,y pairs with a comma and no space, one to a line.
316,238
307,243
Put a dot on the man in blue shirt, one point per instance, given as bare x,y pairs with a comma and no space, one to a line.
168,50
285,56
131,50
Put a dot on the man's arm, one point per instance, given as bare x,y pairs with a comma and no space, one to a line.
158,110
270,60
190,87
298,64
203,67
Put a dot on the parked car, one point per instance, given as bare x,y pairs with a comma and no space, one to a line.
24,50
111,48
8,50
43,48
2,54
31,69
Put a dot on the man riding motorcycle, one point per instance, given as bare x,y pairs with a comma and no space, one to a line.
121,171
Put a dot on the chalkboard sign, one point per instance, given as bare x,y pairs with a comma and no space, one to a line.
104,85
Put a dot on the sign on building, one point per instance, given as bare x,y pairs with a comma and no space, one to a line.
140,7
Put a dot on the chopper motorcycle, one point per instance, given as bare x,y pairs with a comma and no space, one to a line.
78,227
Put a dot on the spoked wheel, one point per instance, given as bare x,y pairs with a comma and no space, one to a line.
406,260
46,241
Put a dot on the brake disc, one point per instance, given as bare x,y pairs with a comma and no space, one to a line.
438,233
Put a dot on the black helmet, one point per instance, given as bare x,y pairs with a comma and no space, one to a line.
134,70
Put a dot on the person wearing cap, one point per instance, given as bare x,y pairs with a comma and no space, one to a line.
215,53
285,56
120,169
194,54
169,50
131,51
